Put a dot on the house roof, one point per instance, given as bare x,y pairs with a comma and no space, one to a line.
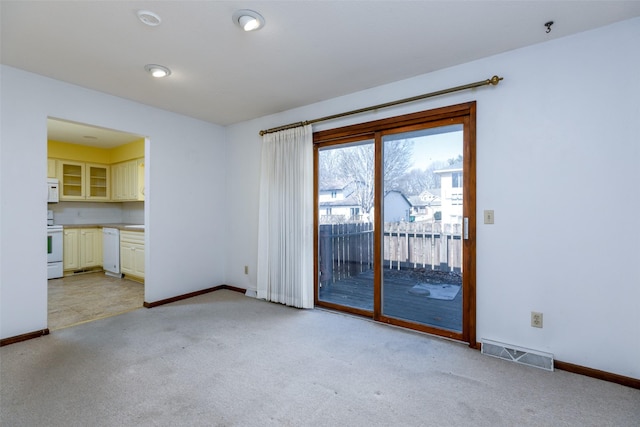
398,192
346,202
352,201
427,198
332,185
457,166
307,52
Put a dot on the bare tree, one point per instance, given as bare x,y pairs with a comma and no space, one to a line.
397,159
414,182
453,161
356,165
432,178
328,166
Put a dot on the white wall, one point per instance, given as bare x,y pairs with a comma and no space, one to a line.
185,175
557,159
65,213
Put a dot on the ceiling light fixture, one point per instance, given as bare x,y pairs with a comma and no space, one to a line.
157,70
248,20
148,18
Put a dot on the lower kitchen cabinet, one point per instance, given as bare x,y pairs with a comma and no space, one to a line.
132,253
81,248
70,249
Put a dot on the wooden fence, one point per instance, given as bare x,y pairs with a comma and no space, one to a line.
346,249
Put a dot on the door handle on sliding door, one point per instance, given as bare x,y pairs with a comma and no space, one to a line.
465,226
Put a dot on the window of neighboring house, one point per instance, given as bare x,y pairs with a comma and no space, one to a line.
334,194
328,211
355,211
456,180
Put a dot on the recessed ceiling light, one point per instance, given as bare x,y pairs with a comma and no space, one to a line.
157,70
148,18
248,20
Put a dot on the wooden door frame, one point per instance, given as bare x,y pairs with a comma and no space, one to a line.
464,114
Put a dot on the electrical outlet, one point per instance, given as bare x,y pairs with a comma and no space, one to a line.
536,319
488,217
246,269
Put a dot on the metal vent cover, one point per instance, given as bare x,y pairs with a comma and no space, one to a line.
512,353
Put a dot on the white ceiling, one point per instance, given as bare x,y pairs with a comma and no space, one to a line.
308,51
84,134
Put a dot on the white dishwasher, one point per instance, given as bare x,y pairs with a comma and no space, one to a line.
111,252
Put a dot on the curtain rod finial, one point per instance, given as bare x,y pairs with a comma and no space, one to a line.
495,80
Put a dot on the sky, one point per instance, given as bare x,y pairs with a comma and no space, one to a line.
440,147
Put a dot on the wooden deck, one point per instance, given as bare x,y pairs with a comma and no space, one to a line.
398,302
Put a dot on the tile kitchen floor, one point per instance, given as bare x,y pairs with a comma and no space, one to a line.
91,296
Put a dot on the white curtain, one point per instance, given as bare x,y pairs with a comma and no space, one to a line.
285,227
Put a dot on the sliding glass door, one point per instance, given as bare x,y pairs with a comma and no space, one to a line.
422,219
395,220
345,195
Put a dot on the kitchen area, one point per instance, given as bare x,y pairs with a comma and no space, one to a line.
95,223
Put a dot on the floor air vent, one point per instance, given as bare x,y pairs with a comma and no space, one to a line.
516,354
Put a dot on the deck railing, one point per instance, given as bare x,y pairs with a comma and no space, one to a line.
346,249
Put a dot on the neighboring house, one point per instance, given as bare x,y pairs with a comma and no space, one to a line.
451,193
334,190
337,203
396,207
426,205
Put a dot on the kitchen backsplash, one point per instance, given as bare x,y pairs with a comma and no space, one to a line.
133,212
97,213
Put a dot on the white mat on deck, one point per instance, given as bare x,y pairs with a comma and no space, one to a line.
443,291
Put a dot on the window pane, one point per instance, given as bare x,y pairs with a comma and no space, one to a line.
422,217
345,235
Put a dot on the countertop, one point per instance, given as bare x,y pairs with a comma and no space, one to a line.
122,227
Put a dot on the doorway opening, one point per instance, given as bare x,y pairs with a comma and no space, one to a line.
100,174
395,215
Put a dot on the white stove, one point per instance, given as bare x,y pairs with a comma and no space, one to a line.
54,248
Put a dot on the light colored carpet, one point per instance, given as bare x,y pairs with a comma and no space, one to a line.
223,359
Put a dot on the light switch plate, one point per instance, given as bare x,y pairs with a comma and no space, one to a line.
488,217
